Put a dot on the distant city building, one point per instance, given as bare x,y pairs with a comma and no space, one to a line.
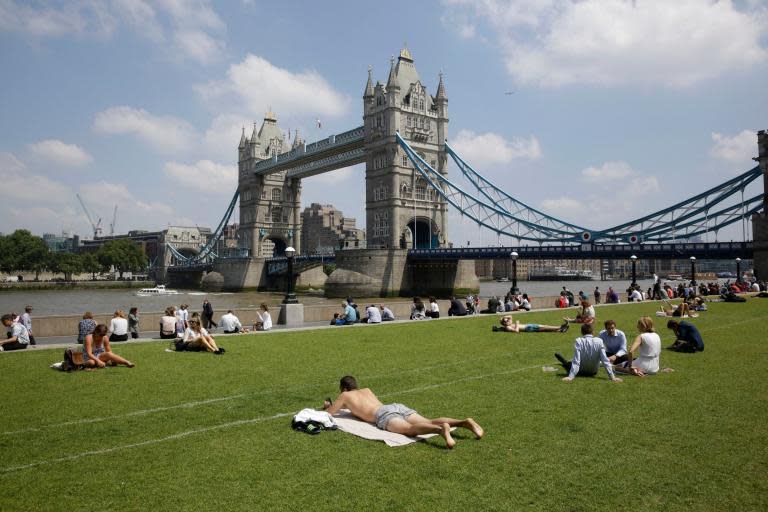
325,229
66,242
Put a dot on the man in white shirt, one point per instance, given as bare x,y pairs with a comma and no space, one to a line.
373,315
231,324
635,296
386,314
615,343
588,354
19,338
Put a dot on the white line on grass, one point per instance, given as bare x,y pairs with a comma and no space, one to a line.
258,419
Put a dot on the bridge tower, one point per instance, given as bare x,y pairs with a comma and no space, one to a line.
760,220
402,211
270,205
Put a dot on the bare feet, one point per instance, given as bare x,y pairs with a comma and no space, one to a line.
475,428
129,364
449,441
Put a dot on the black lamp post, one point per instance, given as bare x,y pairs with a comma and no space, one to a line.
693,270
290,297
738,270
633,258
515,290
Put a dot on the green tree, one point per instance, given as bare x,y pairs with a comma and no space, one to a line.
124,255
66,263
21,250
90,263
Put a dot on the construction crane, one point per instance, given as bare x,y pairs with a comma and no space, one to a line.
96,226
112,224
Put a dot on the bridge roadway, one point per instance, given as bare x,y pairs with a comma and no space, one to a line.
337,151
710,250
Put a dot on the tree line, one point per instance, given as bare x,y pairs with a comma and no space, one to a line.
22,251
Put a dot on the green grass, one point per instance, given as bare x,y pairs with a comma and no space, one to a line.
688,440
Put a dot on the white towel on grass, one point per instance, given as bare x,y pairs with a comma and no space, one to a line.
352,425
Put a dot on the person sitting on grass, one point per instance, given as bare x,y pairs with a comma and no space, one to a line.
397,418
588,354
118,327
681,310
372,315
231,324
611,297
615,342
648,345
507,325
585,316
688,337
168,324
264,322
418,309
98,354
434,309
197,339
85,327
18,336
386,314
457,308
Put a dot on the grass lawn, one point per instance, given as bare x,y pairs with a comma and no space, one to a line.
189,431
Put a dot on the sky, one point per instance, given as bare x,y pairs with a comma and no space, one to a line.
596,111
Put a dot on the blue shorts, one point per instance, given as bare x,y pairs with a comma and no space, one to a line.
387,412
531,328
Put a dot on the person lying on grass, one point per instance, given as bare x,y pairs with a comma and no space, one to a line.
395,418
507,325
680,310
197,339
648,345
585,316
588,354
97,353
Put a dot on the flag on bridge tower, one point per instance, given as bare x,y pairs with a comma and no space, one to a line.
319,123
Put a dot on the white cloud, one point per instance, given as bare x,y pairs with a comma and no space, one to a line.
643,185
487,149
204,175
609,171
58,152
102,197
563,207
615,42
222,137
738,148
165,133
258,85
192,25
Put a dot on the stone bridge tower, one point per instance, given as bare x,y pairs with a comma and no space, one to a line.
270,205
402,210
760,220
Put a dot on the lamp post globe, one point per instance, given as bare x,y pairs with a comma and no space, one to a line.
515,290
290,297
633,259
693,270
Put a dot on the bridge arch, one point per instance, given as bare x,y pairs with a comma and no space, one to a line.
425,232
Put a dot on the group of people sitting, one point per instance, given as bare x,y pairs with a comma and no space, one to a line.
174,322
350,314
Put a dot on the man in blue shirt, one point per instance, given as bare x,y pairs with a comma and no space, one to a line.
588,354
350,315
615,342
688,337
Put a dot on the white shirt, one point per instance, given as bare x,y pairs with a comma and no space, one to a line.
527,305
636,296
21,333
118,326
230,322
588,353
387,313
265,319
26,320
648,353
374,317
190,335
435,307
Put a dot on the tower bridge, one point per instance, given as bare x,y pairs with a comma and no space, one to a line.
403,143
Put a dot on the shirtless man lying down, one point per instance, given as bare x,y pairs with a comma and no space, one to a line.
395,418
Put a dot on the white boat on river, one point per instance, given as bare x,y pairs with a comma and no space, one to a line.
160,289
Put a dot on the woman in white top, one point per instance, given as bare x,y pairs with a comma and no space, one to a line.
118,327
648,345
197,339
434,309
168,324
586,316
265,320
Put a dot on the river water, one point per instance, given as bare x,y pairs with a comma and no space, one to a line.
76,302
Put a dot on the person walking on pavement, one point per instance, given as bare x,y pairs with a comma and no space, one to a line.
208,315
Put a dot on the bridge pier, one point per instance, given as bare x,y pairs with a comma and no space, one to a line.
388,272
760,220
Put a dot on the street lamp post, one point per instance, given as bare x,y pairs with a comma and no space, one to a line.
515,290
290,297
738,270
693,270
633,258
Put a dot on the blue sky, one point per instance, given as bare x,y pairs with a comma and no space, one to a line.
619,107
